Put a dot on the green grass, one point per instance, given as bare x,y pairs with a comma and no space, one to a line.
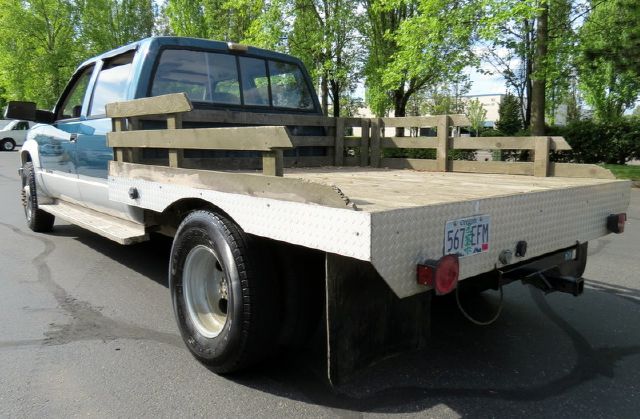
624,171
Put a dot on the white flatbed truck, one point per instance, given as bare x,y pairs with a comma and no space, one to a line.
356,242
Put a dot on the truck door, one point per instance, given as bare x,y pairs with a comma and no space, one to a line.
57,142
93,154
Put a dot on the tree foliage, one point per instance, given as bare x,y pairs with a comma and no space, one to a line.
476,114
610,86
509,118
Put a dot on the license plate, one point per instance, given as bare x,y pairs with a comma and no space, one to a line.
467,236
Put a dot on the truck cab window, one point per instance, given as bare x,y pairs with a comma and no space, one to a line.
112,83
203,76
288,86
255,83
73,102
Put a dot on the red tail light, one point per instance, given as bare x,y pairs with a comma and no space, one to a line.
442,274
615,222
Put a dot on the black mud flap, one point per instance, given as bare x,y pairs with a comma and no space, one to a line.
365,320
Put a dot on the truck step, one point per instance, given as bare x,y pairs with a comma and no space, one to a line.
116,229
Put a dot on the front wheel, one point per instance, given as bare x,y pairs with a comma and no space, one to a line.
37,220
226,308
7,145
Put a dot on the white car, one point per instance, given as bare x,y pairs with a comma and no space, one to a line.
13,134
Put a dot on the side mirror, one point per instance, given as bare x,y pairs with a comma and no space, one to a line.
27,111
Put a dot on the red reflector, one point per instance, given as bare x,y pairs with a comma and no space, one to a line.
615,222
442,275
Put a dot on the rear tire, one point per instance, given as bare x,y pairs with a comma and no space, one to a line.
7,145
226,308
37,220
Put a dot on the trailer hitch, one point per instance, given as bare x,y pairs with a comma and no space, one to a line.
549,283
560,271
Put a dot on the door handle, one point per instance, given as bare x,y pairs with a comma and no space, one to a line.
73,138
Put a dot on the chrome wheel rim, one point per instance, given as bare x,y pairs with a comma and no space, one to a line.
206,291
28,205
7,146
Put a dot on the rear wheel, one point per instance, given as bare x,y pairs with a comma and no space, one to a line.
227,310
7,144
37,220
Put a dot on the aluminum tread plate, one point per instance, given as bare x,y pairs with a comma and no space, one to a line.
396,240
341,231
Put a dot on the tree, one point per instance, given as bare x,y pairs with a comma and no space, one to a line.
222,20
108,24
413,45
477,115
609,86
38,49
538,43
509,121
324,36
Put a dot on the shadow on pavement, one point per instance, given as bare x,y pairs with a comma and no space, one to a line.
550,350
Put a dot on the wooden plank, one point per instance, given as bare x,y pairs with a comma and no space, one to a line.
339,144
499,167
313,141
559,143
374,155
364,143
410,121
442,148
272,163
281,188
176,156
246,163
238,138
494,143
409,142
574,170
541,162
254,118
415,164
506,143
457,120
157,105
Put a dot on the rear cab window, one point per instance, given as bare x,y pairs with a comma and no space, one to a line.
227,79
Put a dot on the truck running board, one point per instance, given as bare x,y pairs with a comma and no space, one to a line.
113,228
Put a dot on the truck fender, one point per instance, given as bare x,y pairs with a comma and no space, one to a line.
29,152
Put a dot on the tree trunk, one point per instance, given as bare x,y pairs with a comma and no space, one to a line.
528,60
324,94
539,78
335,96
399,108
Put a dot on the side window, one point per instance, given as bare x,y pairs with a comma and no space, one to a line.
203,76
21,126
73,102
255,83
112,83
288,86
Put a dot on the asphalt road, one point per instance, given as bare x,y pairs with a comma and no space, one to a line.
87,329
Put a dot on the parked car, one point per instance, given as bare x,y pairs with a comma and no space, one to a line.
13,134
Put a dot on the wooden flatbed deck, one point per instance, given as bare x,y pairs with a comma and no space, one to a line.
373,190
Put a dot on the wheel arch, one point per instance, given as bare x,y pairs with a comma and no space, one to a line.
171,217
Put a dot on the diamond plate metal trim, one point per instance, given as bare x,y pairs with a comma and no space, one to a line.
396,240
547,220
342,231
